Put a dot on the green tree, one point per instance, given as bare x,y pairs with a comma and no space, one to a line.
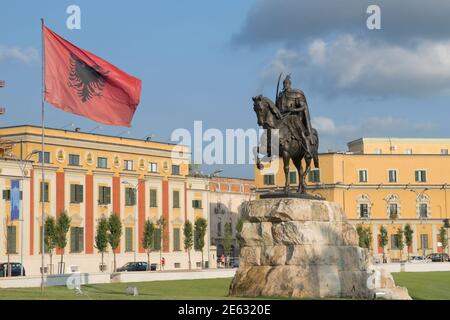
62,228
364,236
401,242
101,237
443,239
188,239
239,226
50,238
408,233
200,233
147,239
114,234
383,237
227,239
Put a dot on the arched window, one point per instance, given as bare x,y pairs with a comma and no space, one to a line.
423,206
363,206
393,206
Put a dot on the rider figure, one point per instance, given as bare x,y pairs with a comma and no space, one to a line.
293,102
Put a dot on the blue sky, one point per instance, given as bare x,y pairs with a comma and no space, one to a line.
204,60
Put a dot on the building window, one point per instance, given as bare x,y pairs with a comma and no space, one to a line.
314,176
392,176
76,239
76,193
176,170
102,163
128,165
363,210
40,242
444,151
152,167
156,245
219,229
176,199
11,246
424,241
197,204
395,241
46,157
292,177
74,160
128,239
421,176
408,151
269,179
363,206
130,196
153,199
362,175
7,195
423,210
393,211
176,239
104,195
44,192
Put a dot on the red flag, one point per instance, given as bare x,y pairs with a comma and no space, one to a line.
79,82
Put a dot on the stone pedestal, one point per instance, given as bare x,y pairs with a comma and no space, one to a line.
306,249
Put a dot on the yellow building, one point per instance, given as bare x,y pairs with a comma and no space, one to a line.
383,182
93,175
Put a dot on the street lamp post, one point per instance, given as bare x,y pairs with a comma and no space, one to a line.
22,163
212,175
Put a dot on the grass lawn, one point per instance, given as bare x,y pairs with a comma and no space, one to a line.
204,289
421,285
425,285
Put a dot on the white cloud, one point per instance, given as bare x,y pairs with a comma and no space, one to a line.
353,65
24,55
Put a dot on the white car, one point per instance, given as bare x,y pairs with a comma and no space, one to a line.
419,259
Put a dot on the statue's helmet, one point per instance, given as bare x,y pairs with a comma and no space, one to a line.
287,81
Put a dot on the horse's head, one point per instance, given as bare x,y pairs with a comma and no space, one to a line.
265,111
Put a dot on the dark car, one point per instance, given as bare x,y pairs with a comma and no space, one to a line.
438,257
16,269
136,266
234,262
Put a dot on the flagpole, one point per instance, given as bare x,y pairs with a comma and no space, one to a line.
42,191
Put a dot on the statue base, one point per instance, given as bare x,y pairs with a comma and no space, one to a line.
305,249
283,194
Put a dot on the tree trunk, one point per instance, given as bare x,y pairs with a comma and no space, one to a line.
149,268
51,263
203,263
115,269
102,263
8,268
189,258
62,262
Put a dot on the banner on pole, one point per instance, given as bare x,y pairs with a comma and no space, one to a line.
15,199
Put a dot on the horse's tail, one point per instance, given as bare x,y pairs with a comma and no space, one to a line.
315,144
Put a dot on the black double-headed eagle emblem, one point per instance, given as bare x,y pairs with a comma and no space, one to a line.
88,81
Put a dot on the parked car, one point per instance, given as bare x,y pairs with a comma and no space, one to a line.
136,266
419,259
15,269
438,257
234,262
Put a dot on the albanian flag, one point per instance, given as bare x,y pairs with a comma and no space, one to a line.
79,82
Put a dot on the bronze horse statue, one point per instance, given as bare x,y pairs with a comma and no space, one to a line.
269,117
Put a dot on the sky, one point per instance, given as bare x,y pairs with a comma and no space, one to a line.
204,60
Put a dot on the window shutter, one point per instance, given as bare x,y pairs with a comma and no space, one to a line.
80,193
81,239
176,199
176,239
129,239
153,198
72,193
11,236
417,176
73,240
107,195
